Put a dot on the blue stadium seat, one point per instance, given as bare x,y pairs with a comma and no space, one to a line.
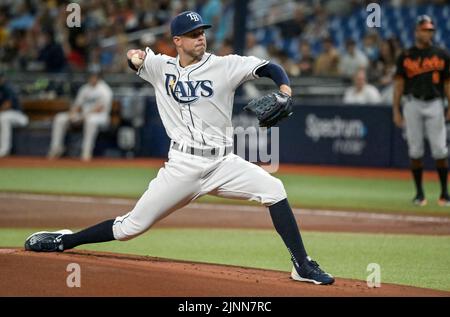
412,12
269,36
335,23
445,11
316,47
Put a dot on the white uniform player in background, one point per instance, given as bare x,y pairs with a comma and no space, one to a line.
11,115
195,95
91,109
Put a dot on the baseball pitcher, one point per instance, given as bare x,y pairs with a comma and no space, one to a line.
194,95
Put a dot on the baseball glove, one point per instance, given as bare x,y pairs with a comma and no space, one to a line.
270,109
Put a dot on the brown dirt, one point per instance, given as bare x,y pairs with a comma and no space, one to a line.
102,274
51,211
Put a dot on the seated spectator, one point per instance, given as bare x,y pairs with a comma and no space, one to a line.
385,66
352,60
226,48
164,45
90,109
370,48
10,115
318,27
253,48
51,53
4,33
23,19
361,92
293,28
77,56
306,63
327,62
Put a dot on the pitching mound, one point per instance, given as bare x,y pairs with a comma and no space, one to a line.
105,274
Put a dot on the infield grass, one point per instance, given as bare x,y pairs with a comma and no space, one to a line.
422,261
305,191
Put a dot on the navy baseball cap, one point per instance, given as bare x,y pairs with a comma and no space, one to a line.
186,22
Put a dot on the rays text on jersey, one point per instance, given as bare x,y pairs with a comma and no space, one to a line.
188,91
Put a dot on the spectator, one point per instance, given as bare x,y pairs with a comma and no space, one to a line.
165,46
280,57
318,27
90,109
225,24
3,29
293,28
385,69
352,60
327,62
386,60
23,19
51,53
361,92
211,12
253,48
306,63
77,57
226,48
388,52
10,115
370,48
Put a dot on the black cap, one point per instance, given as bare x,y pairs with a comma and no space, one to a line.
186,22
425,22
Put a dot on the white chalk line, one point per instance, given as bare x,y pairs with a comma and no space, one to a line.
224,207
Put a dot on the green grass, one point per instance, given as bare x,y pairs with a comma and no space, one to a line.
108,181
359,194
303,190
421,261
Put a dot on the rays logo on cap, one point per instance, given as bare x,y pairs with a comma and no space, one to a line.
186,22
194,16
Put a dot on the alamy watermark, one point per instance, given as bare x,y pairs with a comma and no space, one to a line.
255,144
74,17
73,280
373,19
374,278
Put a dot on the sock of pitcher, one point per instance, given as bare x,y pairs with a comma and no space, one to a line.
443,172
284,221
101,232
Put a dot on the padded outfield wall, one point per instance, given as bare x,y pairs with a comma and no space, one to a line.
315,134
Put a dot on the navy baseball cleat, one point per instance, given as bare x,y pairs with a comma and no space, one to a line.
310,272
45,241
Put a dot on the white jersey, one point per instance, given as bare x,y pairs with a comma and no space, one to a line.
88,96
368,95
196,102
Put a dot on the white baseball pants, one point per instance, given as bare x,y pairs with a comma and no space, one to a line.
425,119
186,177
8,120
91,124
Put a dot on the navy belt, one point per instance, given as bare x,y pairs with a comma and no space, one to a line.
211,152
